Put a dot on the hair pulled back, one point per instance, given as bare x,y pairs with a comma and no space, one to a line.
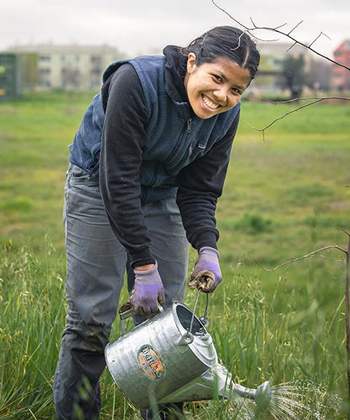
225,41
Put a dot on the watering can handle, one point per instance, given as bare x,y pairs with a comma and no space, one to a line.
127,311
204,319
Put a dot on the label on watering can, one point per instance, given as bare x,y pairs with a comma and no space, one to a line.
150,362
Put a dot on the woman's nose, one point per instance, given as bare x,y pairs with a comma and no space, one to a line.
221,95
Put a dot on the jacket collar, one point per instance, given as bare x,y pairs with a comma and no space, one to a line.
175,70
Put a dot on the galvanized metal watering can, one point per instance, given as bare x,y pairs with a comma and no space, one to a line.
172,358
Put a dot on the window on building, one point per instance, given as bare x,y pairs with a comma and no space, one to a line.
45,58
44,71
95,73
278,62
95,59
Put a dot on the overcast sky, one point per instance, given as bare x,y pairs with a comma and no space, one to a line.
138,26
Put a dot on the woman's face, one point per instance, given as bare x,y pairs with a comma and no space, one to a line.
216,87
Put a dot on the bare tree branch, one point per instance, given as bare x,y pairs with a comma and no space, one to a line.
278,31
329,259
230,16
291,47
315,101
295,27
309,98
293,260
280,26
321,33
259,39
345,231
304,45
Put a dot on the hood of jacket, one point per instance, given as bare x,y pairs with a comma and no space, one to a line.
175,71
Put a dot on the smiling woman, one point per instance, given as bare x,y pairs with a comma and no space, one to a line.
213,88
218,71
147,166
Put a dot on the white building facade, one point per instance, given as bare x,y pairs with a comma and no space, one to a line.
70,66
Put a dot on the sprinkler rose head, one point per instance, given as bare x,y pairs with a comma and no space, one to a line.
263,396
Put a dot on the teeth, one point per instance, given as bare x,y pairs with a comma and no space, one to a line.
210,103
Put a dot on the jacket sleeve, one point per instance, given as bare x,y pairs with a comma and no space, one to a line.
200,186
123,139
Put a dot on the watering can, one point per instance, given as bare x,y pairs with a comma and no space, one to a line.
171,358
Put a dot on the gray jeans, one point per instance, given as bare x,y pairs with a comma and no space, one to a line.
96,264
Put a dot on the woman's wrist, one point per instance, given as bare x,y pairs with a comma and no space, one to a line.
144,267
143,264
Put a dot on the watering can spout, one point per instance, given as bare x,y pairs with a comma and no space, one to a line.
228,389
218,383
263,395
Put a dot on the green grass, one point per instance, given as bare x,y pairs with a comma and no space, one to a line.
34,137
285,196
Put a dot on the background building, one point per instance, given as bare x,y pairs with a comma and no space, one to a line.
10,76
64,66
341,76
298,70
282,70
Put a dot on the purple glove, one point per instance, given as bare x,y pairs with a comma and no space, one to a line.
206,274
148,291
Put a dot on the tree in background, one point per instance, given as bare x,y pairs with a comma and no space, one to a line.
294,75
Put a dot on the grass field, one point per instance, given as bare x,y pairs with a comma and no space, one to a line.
284,197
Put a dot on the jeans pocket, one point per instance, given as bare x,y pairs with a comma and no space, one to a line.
77,176
173,210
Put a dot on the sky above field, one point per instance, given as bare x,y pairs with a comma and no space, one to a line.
144,26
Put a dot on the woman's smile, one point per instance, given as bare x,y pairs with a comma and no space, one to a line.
209,103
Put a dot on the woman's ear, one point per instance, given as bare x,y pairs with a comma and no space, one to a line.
191,62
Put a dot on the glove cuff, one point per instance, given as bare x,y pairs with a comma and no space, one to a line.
209,251
147,276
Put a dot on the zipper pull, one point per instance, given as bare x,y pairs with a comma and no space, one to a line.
189,121
190,150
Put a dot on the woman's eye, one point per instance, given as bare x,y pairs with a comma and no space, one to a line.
218,78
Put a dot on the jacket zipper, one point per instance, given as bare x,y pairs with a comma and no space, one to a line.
189,124
187,129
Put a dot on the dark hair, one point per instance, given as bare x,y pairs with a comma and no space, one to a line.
225,41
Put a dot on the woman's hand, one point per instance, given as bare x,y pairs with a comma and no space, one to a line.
207,274
148,290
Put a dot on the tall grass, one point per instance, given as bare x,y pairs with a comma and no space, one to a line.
32,316
252,342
